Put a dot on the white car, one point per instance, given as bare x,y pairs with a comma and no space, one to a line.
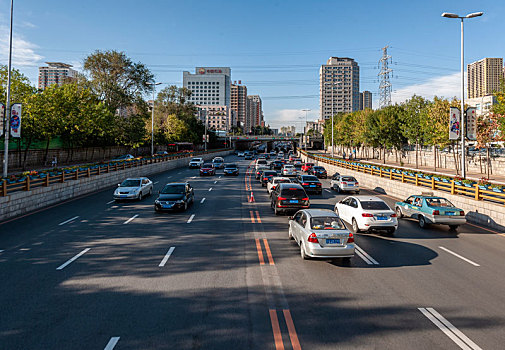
196,163
260,162
134,188
218,162
274,181
341,183
366,213
240,154
289,170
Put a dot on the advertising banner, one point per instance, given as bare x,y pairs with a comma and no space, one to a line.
16,120
454,123
471,123
2,116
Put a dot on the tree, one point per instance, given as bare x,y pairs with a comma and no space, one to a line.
416,112
21,88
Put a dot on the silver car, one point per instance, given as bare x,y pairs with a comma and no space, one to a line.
321,233
289,170
341,183
134,188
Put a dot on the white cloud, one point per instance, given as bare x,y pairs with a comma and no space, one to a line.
23,51
289,117
446,86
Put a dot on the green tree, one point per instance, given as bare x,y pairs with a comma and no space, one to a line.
416,113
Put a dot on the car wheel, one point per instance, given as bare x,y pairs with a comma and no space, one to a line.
399,213
355,228
346,260
422,222
391,231
290,235
336,212
276,211
338,189
302,252
151,192
453,227
185,206
357,192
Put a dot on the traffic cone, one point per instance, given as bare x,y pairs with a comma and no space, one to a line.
251,199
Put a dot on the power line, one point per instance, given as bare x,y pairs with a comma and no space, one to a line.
385,85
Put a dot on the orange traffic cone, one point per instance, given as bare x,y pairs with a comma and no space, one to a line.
251,199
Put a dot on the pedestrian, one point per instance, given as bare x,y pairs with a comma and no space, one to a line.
54,163
344,155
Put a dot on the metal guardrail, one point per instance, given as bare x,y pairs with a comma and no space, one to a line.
452,186
64,175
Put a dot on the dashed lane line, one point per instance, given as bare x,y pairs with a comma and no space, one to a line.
167,255
157,182
203,200
210,189
67,221
112,343
191,218
68,262
110,202
130,219
459,256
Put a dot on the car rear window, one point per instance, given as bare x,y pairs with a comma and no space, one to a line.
207,165
374,205
309,178
327,223
439,202
318,168
282,181
348,178
269,173
293,192
230,166
309,164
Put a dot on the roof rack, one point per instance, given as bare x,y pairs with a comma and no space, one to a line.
426,193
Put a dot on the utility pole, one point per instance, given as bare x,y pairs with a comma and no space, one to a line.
7,114
152,118
385,86
304,134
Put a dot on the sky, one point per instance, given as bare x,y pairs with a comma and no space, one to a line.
274,47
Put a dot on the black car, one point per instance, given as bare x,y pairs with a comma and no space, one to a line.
267,175
207,169
289,197
248,156
276,165
230,169
319,172
310,183
174,196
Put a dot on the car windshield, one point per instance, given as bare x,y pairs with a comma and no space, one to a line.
230,166
269,173
195,159
348,178
439,202
318,168
309,164
374,205
173,189
309,178
282,181
327,223
130,183
217,161
291,192
207,165
288,166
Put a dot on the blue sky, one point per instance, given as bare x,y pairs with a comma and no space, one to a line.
273,47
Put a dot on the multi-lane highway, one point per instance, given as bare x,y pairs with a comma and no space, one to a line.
94,274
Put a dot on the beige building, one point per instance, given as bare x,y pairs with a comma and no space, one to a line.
482,104
239,102
254,116
484,77
55,73
219,118
338,87
365,100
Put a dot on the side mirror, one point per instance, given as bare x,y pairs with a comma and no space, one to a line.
339,202
290,218
118,185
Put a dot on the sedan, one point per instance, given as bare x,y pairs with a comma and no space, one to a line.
288,170
207,169
122,158
230,169
134,188
276,180
259,171
289,197
218,162
310,183
343,183
319,172
266,176
175,196
276,165
366,213
196,163
307,166
320,233
240,154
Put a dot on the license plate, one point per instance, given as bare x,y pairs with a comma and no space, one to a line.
333,241
449,213
350,185
312,185
167,206
123,195
293,201
381,217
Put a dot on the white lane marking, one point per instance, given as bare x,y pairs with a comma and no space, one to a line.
193,177
165,258
1,250
130,219
363,257
191,218
203,200
109,202
362,254
67,221
157,182
210,189
327,190
168,177
112,343
215,182
219,177
459,256
61,267
180,172
449,329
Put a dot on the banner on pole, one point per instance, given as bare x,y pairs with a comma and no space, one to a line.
454,123
2,116
16,120
471,123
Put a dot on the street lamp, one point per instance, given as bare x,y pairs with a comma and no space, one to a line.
305,136
462,123
7,114
332,114
152,118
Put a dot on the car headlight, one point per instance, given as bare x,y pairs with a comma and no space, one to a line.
180,201
157,201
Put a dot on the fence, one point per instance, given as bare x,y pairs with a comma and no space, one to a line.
476,191
47,179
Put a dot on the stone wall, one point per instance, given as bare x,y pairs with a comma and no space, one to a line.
479,212
22,202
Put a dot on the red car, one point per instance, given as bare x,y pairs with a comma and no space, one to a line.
207,169
307,166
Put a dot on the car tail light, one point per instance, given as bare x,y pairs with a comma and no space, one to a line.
313,238
393,215
357,183
305,184
436,212
351,238
305,199
274,187
344,183
461,213
281,198
367,215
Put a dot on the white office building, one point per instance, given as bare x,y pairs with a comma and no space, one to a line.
209,86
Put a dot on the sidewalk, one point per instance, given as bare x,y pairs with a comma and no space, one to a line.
471,175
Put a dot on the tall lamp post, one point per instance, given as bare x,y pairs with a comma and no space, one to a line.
462,123
7,114
304,135
332,114
152,118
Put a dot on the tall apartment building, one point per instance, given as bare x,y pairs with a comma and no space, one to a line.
254,116
209,86
484,77
338,86
239,102
219,118
55,73
365,100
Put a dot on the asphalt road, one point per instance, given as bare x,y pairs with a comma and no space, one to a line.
94,274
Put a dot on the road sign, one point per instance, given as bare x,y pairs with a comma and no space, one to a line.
454,123
471,123
16,120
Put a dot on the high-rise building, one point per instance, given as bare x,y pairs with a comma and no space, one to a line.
365,100
338,86
484,77
56,73
239,102
219,118
254,116
209,86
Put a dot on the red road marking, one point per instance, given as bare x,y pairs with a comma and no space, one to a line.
292,331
